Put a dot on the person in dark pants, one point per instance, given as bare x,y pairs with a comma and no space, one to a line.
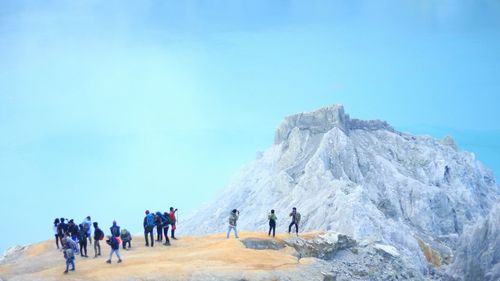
82,241
159,228
62,228
56,232
173,220
98,236
149,225
166,223
272,223
295,221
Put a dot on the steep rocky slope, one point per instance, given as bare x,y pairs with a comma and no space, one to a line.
364,179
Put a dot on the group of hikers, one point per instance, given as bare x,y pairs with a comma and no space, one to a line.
68,234
235,214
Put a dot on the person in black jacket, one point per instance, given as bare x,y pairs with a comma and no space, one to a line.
98,236
62,228
82,241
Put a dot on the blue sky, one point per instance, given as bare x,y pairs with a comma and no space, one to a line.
110,108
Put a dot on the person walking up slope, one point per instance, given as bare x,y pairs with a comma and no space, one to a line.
295,221
233,218
69,252
149,225
272,223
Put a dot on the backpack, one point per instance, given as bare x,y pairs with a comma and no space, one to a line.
69,253
99,234
113,242
150,220
115,231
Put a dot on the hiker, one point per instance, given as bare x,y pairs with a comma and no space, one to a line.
126,238
73,230
56,232
62,228
166,222
98,236
173,220
272,223
115,229
114,243
233,218
295,221
82,240
159,228
149,225
87,225
69,253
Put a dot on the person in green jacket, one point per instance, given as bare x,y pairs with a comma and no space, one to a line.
272,223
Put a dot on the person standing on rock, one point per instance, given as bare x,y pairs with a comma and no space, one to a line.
87,225
159,227
166,223
173,220
69,253
114,243
272,223
82,240
56,232
98,236
233,219
149,225
295,221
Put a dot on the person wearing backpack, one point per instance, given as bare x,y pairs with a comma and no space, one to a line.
149,225
115,230
69,253
87,225
272,223
56,232
126,238
82,241
166,222
159,227
295,221
114,243
73,230
173,221
233,218
98,236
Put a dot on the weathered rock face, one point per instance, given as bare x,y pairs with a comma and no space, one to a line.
478,254
364,179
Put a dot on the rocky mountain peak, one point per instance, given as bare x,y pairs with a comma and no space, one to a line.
323,120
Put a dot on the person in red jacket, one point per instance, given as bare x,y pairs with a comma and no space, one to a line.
171,216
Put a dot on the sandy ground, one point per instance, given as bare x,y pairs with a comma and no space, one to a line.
187,257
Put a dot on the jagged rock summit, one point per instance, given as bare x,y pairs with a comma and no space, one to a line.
364,179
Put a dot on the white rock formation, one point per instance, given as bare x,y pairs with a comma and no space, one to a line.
361,178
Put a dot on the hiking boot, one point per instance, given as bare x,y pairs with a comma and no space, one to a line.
65,272
119,261
73,269
166,244
108,261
